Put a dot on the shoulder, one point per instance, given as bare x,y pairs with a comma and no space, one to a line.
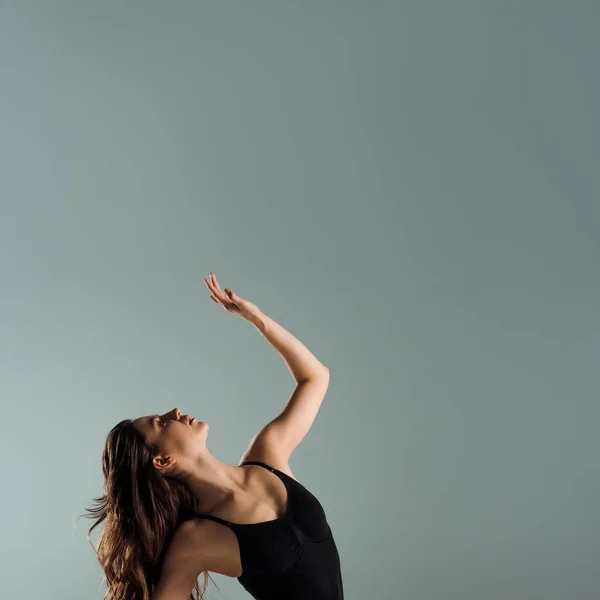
201,543
193,538
264,447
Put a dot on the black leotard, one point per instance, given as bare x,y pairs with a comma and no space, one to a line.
293,557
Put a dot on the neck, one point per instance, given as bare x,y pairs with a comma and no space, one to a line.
214,482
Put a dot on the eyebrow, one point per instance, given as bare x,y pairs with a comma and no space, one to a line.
152,417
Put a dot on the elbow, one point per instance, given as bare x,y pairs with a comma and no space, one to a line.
321,373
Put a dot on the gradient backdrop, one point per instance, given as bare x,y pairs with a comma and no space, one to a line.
411,188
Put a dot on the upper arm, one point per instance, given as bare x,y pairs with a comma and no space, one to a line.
282,435
183,563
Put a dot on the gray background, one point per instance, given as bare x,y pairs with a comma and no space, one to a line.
411,188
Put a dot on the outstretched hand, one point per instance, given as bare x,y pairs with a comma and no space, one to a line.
230,301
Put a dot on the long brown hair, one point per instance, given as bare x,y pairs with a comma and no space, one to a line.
142,509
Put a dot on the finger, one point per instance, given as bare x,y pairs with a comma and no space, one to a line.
215,282
227,307
218,293
232,296
221,297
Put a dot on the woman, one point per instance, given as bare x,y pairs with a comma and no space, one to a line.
173,511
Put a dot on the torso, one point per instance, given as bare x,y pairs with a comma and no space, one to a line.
265,500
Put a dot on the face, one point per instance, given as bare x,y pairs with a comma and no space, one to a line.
173,434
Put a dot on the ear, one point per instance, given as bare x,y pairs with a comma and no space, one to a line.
164,464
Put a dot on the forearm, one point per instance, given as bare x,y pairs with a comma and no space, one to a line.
300,361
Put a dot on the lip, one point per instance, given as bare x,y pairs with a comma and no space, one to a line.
190,421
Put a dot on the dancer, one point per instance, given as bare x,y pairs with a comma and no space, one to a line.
173,511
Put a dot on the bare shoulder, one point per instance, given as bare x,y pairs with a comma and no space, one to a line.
264,447
204,544
185,559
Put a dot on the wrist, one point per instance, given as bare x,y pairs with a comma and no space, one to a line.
257,318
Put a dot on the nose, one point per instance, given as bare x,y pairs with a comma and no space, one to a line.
179,416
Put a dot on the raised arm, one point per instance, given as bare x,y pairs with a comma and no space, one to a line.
290,426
